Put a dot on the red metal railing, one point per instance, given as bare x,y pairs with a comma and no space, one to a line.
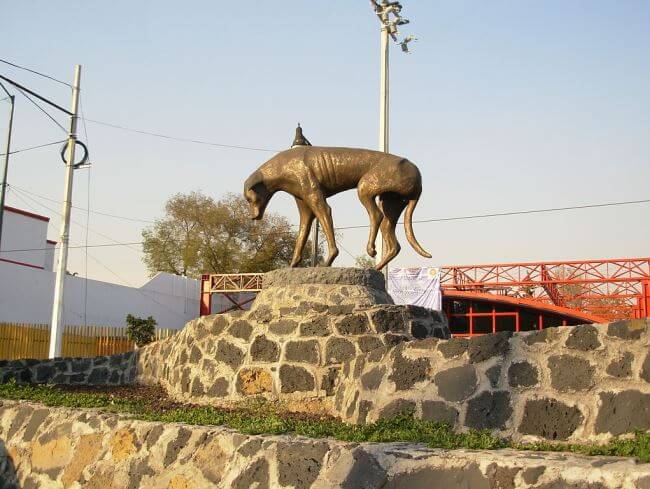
612,289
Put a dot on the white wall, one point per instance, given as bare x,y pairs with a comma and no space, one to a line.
21,232
50,247
26,296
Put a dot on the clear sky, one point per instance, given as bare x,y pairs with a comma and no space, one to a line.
503,105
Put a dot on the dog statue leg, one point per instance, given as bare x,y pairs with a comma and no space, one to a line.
368,200
306,219
323,213
391,206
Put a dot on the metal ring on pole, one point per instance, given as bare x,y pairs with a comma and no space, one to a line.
64,148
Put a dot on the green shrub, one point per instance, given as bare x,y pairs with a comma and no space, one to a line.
141,331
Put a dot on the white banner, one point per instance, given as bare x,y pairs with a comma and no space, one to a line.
416,286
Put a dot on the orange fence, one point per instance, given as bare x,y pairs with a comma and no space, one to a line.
32,340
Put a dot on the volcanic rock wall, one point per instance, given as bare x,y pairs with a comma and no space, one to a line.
56,447
569,383
330,340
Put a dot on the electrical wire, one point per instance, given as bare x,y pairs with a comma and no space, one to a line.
181,139
35,72
34,147
42,110
102,245
75,222
513,213
147,221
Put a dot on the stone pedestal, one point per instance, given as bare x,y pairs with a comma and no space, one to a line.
302,327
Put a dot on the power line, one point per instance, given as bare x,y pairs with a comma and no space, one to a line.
47,114
134,219
181,139
76,223
362,226
103,245
515,213
35,72
34,147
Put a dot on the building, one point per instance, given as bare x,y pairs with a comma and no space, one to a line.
24,239
27,285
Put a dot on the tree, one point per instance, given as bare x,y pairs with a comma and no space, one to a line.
200,235
140,331
363,261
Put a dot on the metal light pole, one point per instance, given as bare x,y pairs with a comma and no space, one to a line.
56,331
388,13
5,170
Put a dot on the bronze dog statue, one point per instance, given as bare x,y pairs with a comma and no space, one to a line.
313,173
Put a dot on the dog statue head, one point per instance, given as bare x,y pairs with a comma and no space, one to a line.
257,195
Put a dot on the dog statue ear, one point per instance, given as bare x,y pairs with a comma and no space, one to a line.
255,179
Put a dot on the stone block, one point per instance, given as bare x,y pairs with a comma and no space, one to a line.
456,384
493,374
484,347
419,329
622,412
645,369
317,326
219,388
98,376
622,366
264,350
628,329
439,412
218,324
570,373
522,374
325,276
453,347
388,319
469,476
330,380
254,381
371,380
229,354
254,475
300,463
353,324
241,329
195,354
339,350
295,379
489,410
397,407
197,389
406,372
369,343
365,407
547,335
395,339
550,419
583,338
302,351
283,327
45,372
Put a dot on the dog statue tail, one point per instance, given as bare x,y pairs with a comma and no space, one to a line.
408,227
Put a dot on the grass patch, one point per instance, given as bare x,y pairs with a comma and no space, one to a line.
259,417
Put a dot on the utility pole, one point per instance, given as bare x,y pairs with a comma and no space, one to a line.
56,331
389,15
5,170
314,243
